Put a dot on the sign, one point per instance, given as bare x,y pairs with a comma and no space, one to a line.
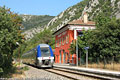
86,48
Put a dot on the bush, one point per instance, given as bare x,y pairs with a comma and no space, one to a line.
10,33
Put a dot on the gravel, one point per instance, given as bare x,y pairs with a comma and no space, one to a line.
43,74
40,74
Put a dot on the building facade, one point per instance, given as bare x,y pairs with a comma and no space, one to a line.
66,35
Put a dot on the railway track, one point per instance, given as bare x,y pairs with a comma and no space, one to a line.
77,75
72,75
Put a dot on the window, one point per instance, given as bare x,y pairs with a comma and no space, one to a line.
80,33
62,41
59,42
56,43
45,51
67,39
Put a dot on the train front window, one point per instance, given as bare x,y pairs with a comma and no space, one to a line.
45,51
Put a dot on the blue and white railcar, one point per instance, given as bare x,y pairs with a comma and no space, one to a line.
44,55
40,56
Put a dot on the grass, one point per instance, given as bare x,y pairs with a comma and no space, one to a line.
8,73
20,70
17,71
112,66
25,68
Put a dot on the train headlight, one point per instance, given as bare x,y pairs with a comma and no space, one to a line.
52,60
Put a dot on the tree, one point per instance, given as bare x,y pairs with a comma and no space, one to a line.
72,48
105,42
82,43
44,36
10,33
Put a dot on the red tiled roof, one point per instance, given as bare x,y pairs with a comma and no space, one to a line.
77,22
80,22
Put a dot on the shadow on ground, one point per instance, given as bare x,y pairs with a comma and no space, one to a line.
37,66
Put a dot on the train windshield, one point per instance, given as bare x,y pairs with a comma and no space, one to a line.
45,52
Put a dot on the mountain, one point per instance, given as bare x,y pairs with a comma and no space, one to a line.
109,8
34,21
33,24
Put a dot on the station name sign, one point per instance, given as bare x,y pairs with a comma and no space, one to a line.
62,34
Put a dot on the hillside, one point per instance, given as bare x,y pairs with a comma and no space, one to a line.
34,21
33,24
110,8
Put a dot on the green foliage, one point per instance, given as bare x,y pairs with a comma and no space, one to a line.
104,41
19,51
1,70
10,33
104,6
106,10
25,68
78,12
98,40
72,48
83,39
42,37
101,20
83,42
33,21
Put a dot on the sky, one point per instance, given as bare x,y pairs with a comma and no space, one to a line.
38,7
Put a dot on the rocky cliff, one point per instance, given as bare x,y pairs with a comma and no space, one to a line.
33,24
93,7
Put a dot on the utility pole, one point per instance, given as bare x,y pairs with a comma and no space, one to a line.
80,58
86,58
76,52
75,37
86,48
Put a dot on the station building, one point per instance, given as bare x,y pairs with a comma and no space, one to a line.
65,35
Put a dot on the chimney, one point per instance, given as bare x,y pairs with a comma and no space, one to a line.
85,17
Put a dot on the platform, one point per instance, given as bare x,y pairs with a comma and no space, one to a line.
89,70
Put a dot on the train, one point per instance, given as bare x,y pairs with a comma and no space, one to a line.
41,56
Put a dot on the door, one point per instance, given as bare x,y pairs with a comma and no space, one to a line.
64,56
60,57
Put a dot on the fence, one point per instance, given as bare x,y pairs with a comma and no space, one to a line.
110,63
